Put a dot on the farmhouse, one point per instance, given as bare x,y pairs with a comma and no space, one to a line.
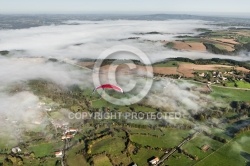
16,150
69,133
59,154
72,130
68,136
202,74
154,161
223,78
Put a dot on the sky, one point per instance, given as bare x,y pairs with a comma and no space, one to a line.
125,7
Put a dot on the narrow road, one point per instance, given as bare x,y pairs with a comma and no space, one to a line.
65,147
166,156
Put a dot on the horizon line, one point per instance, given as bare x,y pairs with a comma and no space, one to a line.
140,13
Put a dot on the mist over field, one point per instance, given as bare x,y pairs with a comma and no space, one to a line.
15,70
179,97
30,48
88,39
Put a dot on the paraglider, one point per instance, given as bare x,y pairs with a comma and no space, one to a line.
109,86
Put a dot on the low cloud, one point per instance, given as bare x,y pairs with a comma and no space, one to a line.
88,39
19,113
180,97
16,70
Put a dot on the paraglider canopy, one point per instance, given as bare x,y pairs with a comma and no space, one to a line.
110,86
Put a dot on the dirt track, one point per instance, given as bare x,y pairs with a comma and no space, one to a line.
190,46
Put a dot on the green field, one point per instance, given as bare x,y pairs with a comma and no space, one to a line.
179,159
4,139
244,39
102,161
2,157
233,153
99,103
113,146
194,146
30,162
49,162
240,84
138,108
168,140
148,131
143,155
230,94
167,64
74,159
169,45
43,149
220,46
151,141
